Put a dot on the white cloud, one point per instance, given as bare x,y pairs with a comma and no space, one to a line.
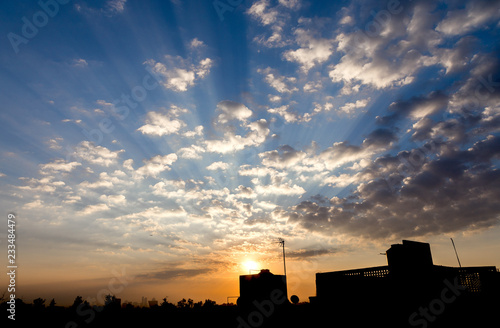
282,111
116,6
99,155
218,166
113,200
285,157
350,108
178,73
58,166
284,189
198,131
195,43
191,152
80,62
312,51
155,165
260,10
230,110
105,180
231,142
160,124
91,209
475,15
282,84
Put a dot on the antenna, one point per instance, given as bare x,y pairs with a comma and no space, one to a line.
281,241
456,252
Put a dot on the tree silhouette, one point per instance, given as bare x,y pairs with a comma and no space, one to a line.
182,303
78,300
52,303
209,303
39,303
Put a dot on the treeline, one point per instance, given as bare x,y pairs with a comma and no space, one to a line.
84,314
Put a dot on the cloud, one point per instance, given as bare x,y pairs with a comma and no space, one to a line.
230,110
476,14
58,166
341,153
417,107
80,62
285,157
282,84
91,209
350,108
409,196
289,117
312,51
259,130
99,155
161,124
260,10
116,6
284,189
155,165
114,200
106,180
179,74
218,166
192,152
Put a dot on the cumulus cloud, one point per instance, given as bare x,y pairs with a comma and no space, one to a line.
230,110
282,84
179,74
58,166
161,124
476,14
99,155
285,157
288,116
446,194
155,165
218,166
312,51
350,108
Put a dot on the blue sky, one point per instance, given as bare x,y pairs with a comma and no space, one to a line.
174,138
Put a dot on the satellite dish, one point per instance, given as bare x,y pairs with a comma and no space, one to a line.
294,299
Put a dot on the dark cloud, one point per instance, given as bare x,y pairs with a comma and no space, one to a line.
171,274
455,192
308,253
418,106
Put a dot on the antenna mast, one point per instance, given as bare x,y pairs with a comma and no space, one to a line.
456,252
281,241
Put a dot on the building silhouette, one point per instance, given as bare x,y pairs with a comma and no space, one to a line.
261,286
410,289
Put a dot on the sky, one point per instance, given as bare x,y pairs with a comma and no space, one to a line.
152,148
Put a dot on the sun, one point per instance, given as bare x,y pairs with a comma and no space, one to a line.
251,265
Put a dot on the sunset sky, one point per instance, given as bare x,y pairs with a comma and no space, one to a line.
154,147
